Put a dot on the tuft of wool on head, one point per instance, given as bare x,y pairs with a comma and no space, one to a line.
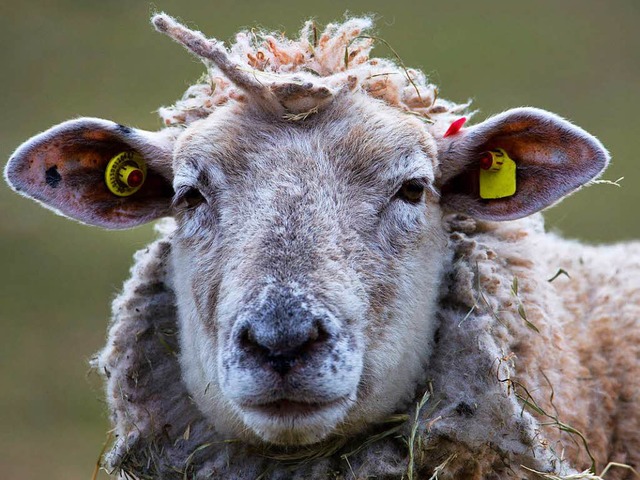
335,58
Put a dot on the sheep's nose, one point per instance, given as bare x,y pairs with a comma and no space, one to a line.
281,338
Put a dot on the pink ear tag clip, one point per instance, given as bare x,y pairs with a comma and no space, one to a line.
455,127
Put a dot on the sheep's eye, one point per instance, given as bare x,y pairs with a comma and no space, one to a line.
411,191
189,198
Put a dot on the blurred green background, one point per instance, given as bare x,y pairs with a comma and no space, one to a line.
67,58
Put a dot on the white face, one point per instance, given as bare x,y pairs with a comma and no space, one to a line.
306,262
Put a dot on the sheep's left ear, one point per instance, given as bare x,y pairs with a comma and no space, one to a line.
552,159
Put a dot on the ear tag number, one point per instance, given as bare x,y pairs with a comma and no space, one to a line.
125,174
497,175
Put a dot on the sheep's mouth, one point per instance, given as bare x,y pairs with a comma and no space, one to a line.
288,421
291,408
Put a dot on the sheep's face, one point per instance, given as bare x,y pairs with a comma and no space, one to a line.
306,261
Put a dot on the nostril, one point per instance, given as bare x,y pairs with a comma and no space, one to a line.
250,344
246,338
316,336
321,333
306,341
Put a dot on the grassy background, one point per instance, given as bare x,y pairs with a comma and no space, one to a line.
69,58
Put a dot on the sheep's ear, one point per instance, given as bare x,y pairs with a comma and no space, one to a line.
552,159
64,169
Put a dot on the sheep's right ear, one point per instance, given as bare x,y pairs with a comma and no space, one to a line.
64,169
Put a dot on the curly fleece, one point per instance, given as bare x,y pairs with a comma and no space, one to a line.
336,57
518,360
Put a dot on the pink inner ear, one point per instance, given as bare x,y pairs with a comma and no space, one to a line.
64,167
553,158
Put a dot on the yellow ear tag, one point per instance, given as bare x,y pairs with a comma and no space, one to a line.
125,174
497,175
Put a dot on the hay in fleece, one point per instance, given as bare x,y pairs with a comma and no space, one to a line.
475,422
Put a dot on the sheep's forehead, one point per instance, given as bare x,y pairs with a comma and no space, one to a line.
353,139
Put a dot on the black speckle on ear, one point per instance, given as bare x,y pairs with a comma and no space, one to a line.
124,130
52,177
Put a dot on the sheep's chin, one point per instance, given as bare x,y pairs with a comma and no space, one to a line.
298,428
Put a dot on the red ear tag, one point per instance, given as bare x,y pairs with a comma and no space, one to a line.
134,178
455,127
486,161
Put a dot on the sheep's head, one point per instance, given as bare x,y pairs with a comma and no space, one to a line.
310,245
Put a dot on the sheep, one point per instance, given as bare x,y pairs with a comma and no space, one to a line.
330,297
